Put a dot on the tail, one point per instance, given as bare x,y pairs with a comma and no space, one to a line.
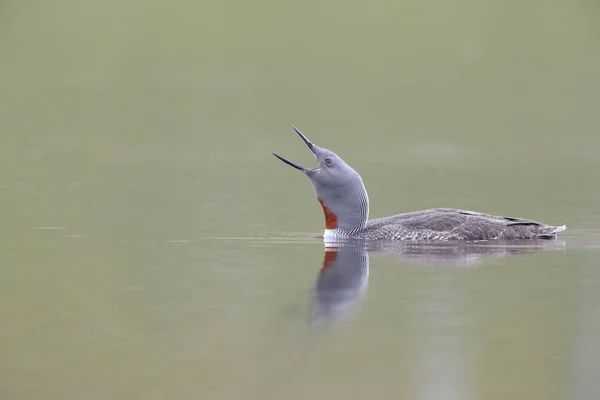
550,232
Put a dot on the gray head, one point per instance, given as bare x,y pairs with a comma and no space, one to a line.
338,187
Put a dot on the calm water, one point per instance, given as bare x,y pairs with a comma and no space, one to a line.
153,248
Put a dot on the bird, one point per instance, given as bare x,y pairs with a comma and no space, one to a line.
342,194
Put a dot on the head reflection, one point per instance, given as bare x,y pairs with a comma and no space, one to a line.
340,285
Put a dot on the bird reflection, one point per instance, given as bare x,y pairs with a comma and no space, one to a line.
341,283
343,278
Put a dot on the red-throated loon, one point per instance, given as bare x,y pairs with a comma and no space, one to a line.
343,196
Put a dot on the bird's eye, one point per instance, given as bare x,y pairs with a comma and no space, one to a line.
328,161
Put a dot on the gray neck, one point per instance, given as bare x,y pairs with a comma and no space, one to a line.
350,205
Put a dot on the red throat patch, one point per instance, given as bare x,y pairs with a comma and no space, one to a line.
331,221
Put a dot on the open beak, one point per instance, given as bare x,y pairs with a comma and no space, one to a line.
308,143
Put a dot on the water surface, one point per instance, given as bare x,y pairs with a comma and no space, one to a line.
152,247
